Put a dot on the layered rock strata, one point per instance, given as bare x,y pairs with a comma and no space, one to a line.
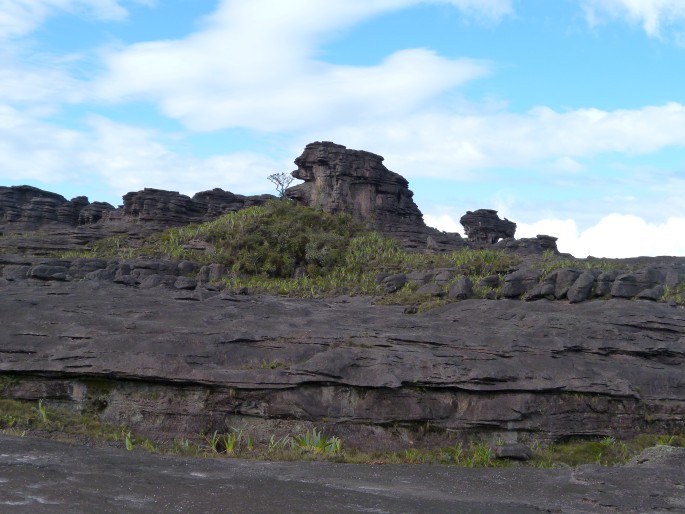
169,362
338,179
30,208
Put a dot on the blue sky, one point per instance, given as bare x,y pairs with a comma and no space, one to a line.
567,116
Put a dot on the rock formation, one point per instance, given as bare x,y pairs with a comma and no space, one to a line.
177,359
484,226
29,208
338,179
170,208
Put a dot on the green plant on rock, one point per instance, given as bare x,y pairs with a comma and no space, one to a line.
315,442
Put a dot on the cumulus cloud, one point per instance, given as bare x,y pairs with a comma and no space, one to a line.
654,15
254,65
453,145
19,17
121,157
613,236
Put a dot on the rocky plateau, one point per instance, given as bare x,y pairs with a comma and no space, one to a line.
156,345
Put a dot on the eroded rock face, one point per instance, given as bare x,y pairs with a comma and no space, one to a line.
170,208
29,208
337,179
485,226
178,362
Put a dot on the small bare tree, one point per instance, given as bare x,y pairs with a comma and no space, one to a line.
281,181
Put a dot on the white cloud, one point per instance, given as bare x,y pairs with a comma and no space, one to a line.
613,236
19,17
123,158
452,145
254,65
653,15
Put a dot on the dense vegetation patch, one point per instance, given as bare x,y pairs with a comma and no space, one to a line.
285,248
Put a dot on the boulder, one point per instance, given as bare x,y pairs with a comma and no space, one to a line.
394,282
462,288
581,289
430,290
605,281
520,281
565,278
629,285
513,451
484,226
48,272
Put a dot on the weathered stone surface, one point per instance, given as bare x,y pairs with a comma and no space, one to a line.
338,179
629,285
29,208
564,280
48,272
543,369
462,288
529,245
582,288
605,281
484,226
170,208
653,293
513,451
393,283
520,281
434,290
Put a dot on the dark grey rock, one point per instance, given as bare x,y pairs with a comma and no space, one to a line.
541,291
484,226
107,274
47,272
582,288
513,451
420,277
15,272
394,282
434,290
564,280
462,288
505,365
520,281
673,278
653,293
492,281
187,268
605,281
151,281
630,285
185,283
442,277
338,179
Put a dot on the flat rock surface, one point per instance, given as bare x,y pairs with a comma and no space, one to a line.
605,367
39,476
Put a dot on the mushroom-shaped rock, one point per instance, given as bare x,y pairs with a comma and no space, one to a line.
485,226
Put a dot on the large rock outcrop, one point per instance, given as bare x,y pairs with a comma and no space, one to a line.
170,208
30,208
485,226
170,362
49,223
338,179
